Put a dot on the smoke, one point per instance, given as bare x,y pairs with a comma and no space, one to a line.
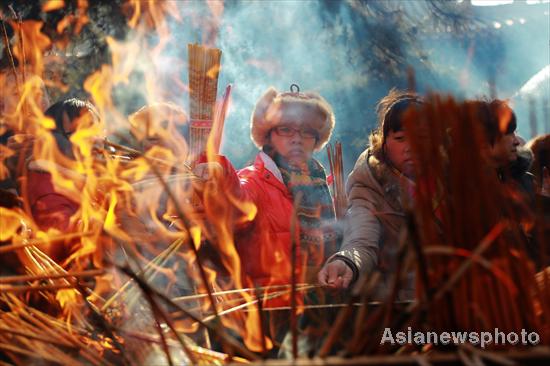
351,53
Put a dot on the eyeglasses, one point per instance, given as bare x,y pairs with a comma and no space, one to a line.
286,131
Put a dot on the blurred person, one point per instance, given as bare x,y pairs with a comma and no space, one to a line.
157,131
159,124
382,179
502,149
36,99
540,167
511,162
51,208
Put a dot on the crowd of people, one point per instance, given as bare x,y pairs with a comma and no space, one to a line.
288,186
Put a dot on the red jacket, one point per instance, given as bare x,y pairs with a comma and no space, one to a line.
264,245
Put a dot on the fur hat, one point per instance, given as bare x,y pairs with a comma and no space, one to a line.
299,109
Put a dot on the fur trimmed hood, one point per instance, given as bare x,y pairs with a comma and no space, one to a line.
299,109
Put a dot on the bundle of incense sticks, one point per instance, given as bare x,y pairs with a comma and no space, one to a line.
204,67
472,248
336,163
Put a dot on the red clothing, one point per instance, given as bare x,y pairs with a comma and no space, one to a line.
265,244
49,208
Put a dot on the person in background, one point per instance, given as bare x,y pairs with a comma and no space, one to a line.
380,182
511,162
159,124
36,100
49,207
540,168
503,151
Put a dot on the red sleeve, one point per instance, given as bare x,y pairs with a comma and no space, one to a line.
49,208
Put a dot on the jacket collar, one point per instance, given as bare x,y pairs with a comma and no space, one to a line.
390,182
270,165
269,171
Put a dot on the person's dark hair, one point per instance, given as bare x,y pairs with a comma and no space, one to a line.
390,111
502,122
496,118
72,108
540,147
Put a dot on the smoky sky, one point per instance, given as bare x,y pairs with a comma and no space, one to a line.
352,53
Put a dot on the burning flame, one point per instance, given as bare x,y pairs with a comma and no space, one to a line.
134,207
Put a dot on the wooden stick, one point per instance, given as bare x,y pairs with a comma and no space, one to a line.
259,308
37,242
226,339
138,153
21,41
146,270
295,245
10,54
331,306
90,273
238,291
16,289
246,304
33,335
31,353
219,121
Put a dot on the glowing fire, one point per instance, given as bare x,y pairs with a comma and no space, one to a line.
126,213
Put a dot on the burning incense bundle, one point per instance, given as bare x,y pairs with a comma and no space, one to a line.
337,171
204,67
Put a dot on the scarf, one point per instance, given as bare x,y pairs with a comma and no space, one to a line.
315,212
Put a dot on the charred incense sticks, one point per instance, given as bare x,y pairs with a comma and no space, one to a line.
204,67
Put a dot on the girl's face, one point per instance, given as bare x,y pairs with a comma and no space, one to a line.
398,151
293,144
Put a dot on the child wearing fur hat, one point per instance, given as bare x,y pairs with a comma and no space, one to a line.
287,127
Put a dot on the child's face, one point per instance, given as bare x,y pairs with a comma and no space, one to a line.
398,151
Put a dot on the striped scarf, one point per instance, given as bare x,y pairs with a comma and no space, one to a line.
315,212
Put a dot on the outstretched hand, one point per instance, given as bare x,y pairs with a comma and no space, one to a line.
208,170
336,274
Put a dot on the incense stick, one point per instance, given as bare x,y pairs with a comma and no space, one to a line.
90,273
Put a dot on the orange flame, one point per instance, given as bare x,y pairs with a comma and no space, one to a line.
52,5
123,200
